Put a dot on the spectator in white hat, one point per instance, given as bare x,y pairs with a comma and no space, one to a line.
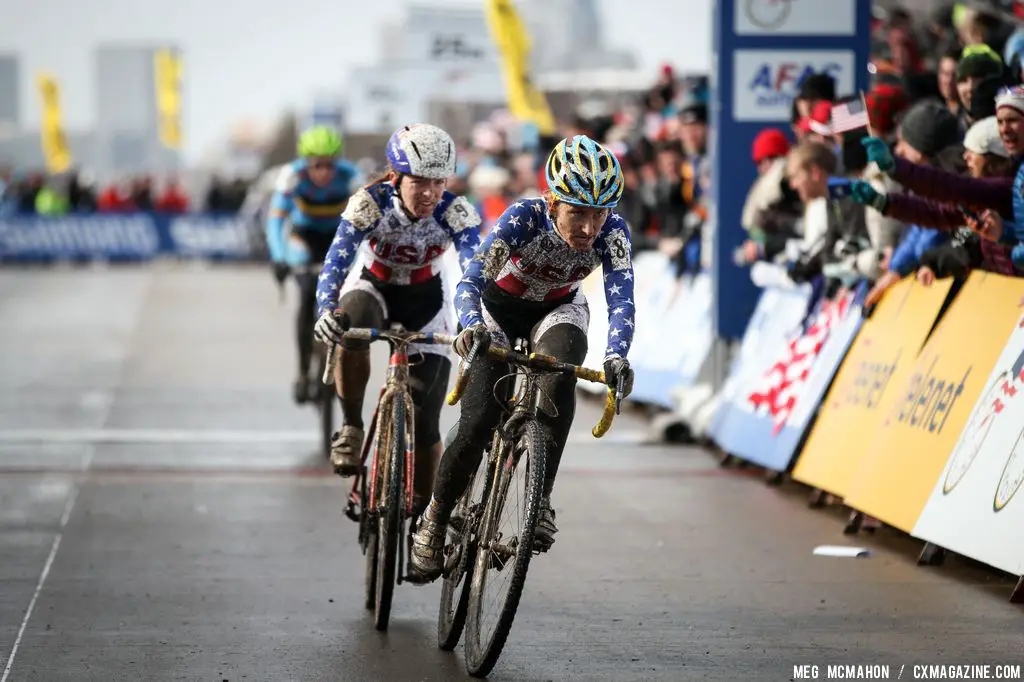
984,151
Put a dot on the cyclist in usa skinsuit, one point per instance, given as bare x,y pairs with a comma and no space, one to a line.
403,225
524,282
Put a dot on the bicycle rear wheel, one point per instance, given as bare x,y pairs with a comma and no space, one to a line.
326,405
504,548
389,519
460,552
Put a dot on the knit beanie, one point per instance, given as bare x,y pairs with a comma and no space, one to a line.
979,61
929,128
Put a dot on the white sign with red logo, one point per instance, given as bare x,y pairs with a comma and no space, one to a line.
796,17
977,506
766,82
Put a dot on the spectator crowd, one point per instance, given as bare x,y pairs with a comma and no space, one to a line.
825,207
77,192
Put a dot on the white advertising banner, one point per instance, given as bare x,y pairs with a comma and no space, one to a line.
766,82
795,17
976,508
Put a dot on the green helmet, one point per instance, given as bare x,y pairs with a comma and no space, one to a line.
320,141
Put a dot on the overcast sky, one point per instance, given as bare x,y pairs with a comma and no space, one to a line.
252,59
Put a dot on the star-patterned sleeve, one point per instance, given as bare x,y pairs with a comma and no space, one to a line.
360,217
617,265
463,224
511,231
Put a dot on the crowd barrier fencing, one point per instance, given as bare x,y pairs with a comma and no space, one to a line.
673,328
913,415
127,237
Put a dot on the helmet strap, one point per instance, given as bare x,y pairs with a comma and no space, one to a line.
398,193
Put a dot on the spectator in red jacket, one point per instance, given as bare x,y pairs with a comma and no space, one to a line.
115,198
173,198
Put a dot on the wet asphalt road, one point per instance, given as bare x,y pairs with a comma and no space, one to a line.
164,515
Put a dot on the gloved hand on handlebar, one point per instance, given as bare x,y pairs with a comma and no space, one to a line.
469,336
614,367
281,272
331,327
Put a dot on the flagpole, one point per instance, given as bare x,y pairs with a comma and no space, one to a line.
867,112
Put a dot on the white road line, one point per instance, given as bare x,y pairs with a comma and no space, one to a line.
220,436
102,402
68,506
155,436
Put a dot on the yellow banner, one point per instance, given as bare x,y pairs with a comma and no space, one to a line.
51,129
525,100
925,414
881,357
168,72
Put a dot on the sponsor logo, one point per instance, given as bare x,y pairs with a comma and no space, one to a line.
135,236
766,82
202,236
929,399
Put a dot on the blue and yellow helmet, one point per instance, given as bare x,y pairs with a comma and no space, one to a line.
580,171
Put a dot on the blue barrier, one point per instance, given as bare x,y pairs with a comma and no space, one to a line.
129,236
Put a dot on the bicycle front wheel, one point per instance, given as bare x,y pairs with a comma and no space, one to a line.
504,547
460,550
389,519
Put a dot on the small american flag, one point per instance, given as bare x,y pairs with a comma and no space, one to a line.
849,116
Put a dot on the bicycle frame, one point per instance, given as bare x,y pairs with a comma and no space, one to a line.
396,387
544,364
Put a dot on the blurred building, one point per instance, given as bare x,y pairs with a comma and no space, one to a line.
126,137
127,120
439,63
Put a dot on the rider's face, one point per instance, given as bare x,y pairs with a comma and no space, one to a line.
579,225
321,170
420,195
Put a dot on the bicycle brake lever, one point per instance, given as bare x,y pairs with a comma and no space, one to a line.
619,390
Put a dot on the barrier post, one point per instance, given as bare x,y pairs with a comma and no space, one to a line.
1018,592
763,49
931,555
817,499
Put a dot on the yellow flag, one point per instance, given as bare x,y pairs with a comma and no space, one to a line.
525,100
168,72
55,145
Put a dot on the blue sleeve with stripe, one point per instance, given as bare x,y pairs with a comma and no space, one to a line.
281,205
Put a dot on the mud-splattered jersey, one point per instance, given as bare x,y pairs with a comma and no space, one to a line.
525,257
399,249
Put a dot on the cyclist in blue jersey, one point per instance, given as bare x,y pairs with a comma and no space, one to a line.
310,194
524,282
403,223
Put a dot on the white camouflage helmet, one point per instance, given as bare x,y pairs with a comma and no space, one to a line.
422,150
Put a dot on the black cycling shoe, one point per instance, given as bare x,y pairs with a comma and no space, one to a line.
302,389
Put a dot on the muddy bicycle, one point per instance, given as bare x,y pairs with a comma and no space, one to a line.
491,533
381,497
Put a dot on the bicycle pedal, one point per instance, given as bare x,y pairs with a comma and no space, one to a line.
351,513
